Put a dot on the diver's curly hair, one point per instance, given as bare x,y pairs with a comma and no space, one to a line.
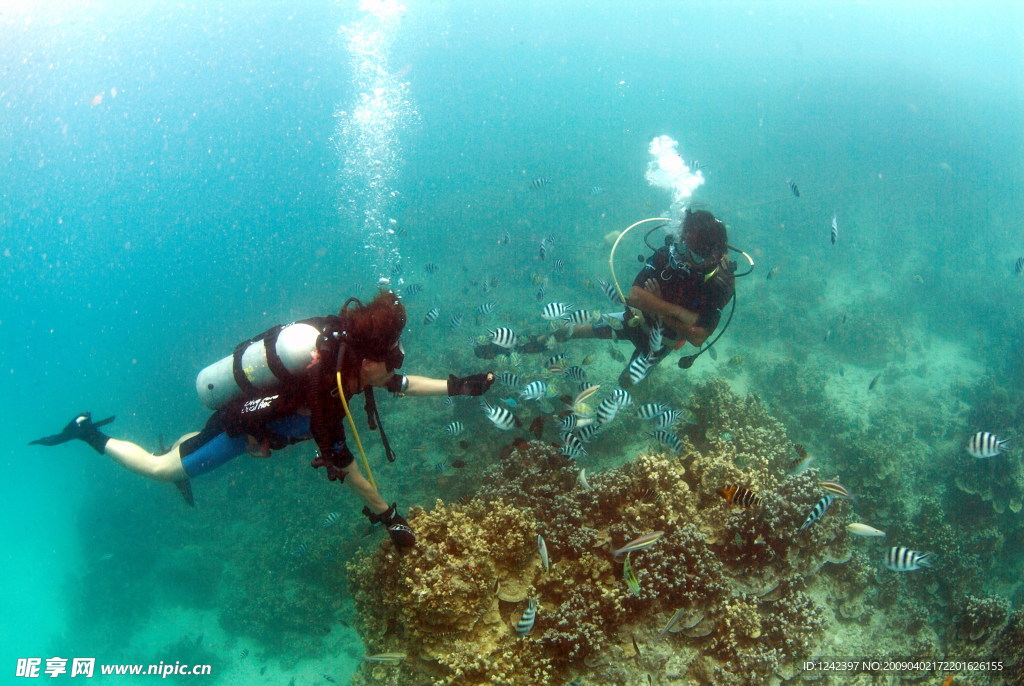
704,234
375,328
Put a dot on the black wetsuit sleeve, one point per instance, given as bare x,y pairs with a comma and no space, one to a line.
718,292
327,424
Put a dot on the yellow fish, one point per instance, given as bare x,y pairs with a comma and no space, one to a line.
629,576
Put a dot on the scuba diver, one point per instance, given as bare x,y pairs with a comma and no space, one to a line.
680,291
287,385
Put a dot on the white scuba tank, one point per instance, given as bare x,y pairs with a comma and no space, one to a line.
294,346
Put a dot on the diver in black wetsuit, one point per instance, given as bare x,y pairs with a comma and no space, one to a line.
683,286
356,350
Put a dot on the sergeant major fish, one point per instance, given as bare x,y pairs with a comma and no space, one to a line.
499,416
639,368
818,512
984,444
503,336
525,623
900,559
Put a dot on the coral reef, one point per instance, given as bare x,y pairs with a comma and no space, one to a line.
729,578
998,481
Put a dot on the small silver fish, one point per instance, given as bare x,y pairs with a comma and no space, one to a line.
542,548
384,658
859,529
525,623
582,480
639,543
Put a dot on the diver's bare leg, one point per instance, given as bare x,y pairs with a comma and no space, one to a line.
134,458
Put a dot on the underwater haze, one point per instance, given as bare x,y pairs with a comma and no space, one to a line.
178,178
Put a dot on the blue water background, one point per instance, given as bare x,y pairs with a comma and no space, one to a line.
142,237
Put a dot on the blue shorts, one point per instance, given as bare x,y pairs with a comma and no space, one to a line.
211,449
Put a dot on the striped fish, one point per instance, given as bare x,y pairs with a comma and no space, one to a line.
430,267
739,496
499,416
540,182
588,431
541,291
431,316
639,368
622,398
613,295
534,391
509,379
485,308
640,543
655,338
525,623
818,511
652,410
576,373
554,360
835,229
559,266
669,440
455,428
413,289
503,336
455,321
836,488
554,311
330,520
606,410
572,447
568,423
300,550
542,549
900,559
984,444
1018,266
578,317
666,420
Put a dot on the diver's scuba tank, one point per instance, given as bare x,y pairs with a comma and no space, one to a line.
258,364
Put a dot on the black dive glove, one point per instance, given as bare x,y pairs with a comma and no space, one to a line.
475,384
398,529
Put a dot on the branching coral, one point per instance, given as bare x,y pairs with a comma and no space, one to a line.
982,618
452,603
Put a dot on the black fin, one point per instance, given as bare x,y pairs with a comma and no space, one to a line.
185,486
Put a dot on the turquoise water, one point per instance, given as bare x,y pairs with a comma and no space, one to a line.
179,179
